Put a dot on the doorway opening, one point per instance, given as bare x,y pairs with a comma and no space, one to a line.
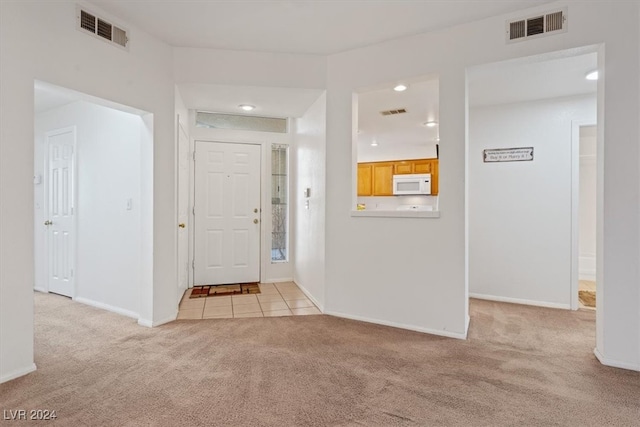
523,216
584,185
93,181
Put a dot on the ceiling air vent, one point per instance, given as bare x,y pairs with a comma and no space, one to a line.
393,112
104,29
90,23
536,26
87,21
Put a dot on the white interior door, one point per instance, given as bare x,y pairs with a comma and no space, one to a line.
227,213
60,220
183,210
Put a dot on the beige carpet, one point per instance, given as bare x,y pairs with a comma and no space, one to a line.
520,366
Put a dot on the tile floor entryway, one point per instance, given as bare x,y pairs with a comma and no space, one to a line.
274,299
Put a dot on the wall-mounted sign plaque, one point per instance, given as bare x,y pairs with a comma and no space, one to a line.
522,154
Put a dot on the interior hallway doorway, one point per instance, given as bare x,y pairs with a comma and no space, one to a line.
92,214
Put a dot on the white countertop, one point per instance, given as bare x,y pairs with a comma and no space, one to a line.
396,213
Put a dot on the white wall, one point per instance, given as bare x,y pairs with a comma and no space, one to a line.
587,208
108,263
520,212
242,68
39,40
309,169
365,257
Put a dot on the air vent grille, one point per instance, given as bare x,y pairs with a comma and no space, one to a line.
119,36
104,29
87,21
393,112
536,26
517,29
90,23
554,21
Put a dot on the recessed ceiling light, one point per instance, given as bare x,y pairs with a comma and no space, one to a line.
592,75
246,107
400,88
430,124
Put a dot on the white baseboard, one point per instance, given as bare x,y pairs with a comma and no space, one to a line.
521,301
180,295
466,328
107,307
146,323
438,332
311,297
17,373
278,280
616,363
151,324
39,289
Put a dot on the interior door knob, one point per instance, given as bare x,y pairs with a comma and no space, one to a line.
182,225
48,222
255,221
255,210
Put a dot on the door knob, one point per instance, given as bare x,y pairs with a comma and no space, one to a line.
182,225
48,222
255,210
255,221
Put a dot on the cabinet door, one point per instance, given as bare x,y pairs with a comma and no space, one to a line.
423,166
365,177
402,168
383,179
435,176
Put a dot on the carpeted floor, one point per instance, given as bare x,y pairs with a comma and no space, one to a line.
520,366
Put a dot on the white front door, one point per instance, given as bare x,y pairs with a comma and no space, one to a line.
60,221
183,210
227,213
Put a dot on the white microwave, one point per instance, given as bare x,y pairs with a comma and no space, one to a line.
412,184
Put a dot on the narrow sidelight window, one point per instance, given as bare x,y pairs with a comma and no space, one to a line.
279,203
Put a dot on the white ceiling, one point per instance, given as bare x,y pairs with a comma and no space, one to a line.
401,134
530,79
47,96
299,26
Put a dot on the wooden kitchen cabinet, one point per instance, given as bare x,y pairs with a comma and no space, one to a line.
376,178
403,168
423,166
365,179
383,179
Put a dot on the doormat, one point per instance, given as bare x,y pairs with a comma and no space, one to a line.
587,298
223,290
